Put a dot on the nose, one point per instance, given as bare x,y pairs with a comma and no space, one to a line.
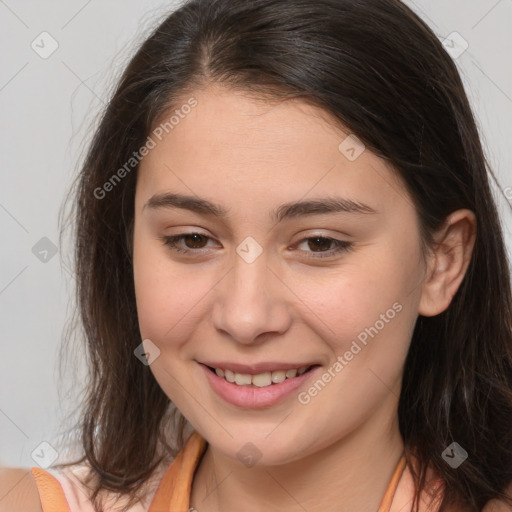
251,302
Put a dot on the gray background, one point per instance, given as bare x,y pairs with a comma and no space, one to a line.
47,107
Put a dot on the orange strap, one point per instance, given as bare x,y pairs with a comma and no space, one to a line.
50,491
393,484
173,493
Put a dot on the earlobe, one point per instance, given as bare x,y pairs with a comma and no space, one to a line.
448,262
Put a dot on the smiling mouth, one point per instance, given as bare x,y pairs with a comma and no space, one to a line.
263,379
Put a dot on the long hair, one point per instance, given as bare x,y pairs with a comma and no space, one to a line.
384,75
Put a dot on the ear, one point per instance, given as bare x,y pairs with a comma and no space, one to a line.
448,262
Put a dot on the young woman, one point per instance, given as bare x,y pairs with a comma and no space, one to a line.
291,273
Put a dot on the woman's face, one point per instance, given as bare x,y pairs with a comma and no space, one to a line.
262,288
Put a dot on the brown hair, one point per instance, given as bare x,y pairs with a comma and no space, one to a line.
378,69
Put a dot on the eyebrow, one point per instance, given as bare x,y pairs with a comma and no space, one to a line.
284,211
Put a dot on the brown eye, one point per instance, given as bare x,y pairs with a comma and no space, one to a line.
186,243
316,247
319,244
195,240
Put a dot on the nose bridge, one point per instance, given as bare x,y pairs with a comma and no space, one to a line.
250,301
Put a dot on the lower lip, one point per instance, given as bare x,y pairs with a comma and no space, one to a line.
253,397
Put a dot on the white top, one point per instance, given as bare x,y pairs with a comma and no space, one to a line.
78,495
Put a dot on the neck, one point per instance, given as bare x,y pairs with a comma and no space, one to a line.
350,474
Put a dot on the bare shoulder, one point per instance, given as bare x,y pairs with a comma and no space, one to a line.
496,505
18,491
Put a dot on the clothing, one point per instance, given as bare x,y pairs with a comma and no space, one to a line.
60,492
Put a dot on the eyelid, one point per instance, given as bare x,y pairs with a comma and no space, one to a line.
172,242
340,246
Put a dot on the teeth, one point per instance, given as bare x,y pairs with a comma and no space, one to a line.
242,379
291,373
278,376
260,380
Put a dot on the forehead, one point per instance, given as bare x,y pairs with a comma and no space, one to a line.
233,142
227,121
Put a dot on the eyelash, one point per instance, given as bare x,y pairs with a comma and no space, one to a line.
340,245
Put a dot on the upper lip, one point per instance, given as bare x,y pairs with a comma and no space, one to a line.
255,368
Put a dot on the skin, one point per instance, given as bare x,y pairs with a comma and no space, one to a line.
338,452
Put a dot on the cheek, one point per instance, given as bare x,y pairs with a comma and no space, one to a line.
348,317
169,296
371,297
158,304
